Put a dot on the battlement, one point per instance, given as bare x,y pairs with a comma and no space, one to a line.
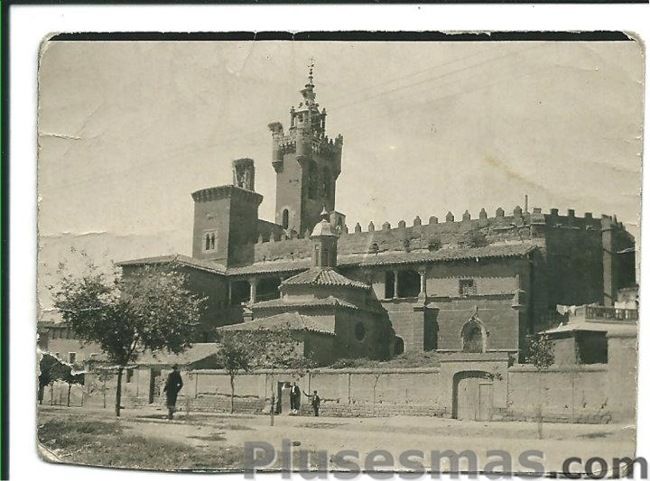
310,142
226,191
518,226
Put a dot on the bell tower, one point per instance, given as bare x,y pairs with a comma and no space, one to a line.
307,164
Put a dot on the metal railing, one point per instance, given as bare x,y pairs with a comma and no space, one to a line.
614,313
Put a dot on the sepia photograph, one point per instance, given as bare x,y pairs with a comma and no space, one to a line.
344,255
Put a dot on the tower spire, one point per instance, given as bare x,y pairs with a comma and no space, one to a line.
311,71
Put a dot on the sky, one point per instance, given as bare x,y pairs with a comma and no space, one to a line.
127,130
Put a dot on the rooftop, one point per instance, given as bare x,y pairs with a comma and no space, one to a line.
492,251
292,321
177,259
325,302
197,352
318,276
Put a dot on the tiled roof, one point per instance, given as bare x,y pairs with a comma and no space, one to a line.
196,353
178,259
350,260
318,276
287,320
442,255
394,258
328,301
284,265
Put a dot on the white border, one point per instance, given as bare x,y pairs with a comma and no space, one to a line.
29,24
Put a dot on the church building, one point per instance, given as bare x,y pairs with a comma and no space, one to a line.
473,284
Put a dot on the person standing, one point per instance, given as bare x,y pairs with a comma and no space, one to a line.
173,385
315,402
295,398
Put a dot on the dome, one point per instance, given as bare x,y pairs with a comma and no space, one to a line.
324,228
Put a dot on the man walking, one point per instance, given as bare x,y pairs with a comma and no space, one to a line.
315,402
172,387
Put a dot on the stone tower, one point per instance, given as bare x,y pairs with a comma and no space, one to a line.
243,174
225,218
307,163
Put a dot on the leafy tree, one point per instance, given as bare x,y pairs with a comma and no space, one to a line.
148,309
541,355
51,369
540,352
243,351
235,355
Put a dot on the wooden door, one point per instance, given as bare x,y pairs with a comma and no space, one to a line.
484,401
468,398
473,397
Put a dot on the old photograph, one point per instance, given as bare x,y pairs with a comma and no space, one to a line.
341,255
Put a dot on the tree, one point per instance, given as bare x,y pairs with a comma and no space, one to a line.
148,309
51,369
235,354
243,351
541,355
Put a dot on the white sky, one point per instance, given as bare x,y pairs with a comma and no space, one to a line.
129,129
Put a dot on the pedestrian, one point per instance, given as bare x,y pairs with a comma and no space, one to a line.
294,397
173,385
315,402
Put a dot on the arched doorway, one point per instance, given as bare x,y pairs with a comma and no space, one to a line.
398,346
285,219
472,396
473,336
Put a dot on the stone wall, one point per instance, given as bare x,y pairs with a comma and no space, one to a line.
582,394
566,394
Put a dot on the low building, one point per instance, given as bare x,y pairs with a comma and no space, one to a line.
334,316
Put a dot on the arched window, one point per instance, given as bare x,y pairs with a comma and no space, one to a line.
285,219
210,241
473,336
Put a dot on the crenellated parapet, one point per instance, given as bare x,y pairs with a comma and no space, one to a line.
226,191
517,226
304,144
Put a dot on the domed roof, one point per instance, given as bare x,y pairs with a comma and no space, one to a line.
324,228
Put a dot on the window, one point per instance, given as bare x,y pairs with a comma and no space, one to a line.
285,219
389,286
473,336
360,331
466,287
326,183
398,347
312,185
129,375
210,240
72,357
408,284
